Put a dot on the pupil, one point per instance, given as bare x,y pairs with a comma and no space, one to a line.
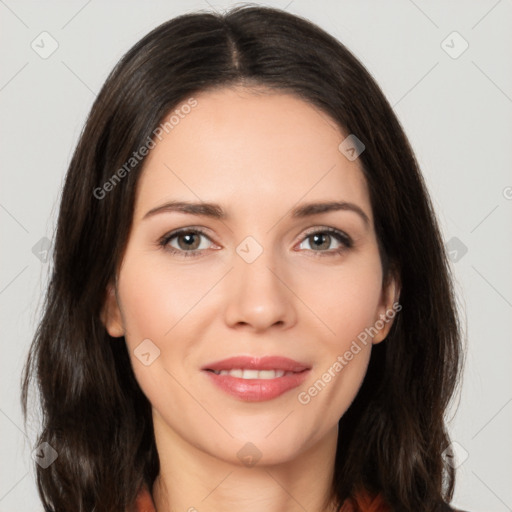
189,241
318,238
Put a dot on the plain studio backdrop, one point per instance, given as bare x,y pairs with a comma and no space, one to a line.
446,69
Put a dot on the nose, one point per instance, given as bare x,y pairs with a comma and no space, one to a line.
258,296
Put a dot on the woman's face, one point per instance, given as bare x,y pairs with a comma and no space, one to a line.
261,274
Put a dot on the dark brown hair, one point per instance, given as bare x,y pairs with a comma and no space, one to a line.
93,412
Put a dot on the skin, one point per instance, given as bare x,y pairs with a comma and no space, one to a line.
259,154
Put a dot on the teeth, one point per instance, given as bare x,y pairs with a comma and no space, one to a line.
253,374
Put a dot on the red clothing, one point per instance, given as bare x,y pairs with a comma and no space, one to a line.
144,503
365,503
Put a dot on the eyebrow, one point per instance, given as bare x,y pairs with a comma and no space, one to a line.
215,211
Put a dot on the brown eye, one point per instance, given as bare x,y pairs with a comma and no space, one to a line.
186,242
320,241
327,242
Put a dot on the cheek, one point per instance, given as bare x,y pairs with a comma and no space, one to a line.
347,305
157,296
166,304
345,299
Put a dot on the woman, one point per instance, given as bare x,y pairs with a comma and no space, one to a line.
250,304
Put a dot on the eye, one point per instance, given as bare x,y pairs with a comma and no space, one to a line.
193,242
185,242
321,241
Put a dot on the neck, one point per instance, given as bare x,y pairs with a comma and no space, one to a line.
193,480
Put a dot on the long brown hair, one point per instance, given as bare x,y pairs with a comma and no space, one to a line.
94,413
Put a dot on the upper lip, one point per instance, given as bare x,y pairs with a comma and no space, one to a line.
257,363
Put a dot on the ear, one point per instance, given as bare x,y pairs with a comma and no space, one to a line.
388,307
111,313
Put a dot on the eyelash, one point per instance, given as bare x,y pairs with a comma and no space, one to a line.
341,237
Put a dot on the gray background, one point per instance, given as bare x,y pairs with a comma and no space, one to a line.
456,112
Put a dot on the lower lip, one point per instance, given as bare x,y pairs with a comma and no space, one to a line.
257,390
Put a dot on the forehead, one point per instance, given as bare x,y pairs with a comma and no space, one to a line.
250,147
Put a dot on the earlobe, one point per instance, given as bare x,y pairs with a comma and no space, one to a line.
111,314
388,310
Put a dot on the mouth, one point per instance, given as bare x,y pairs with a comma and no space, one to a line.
253,379
247,374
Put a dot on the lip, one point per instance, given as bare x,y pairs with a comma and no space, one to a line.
257,390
